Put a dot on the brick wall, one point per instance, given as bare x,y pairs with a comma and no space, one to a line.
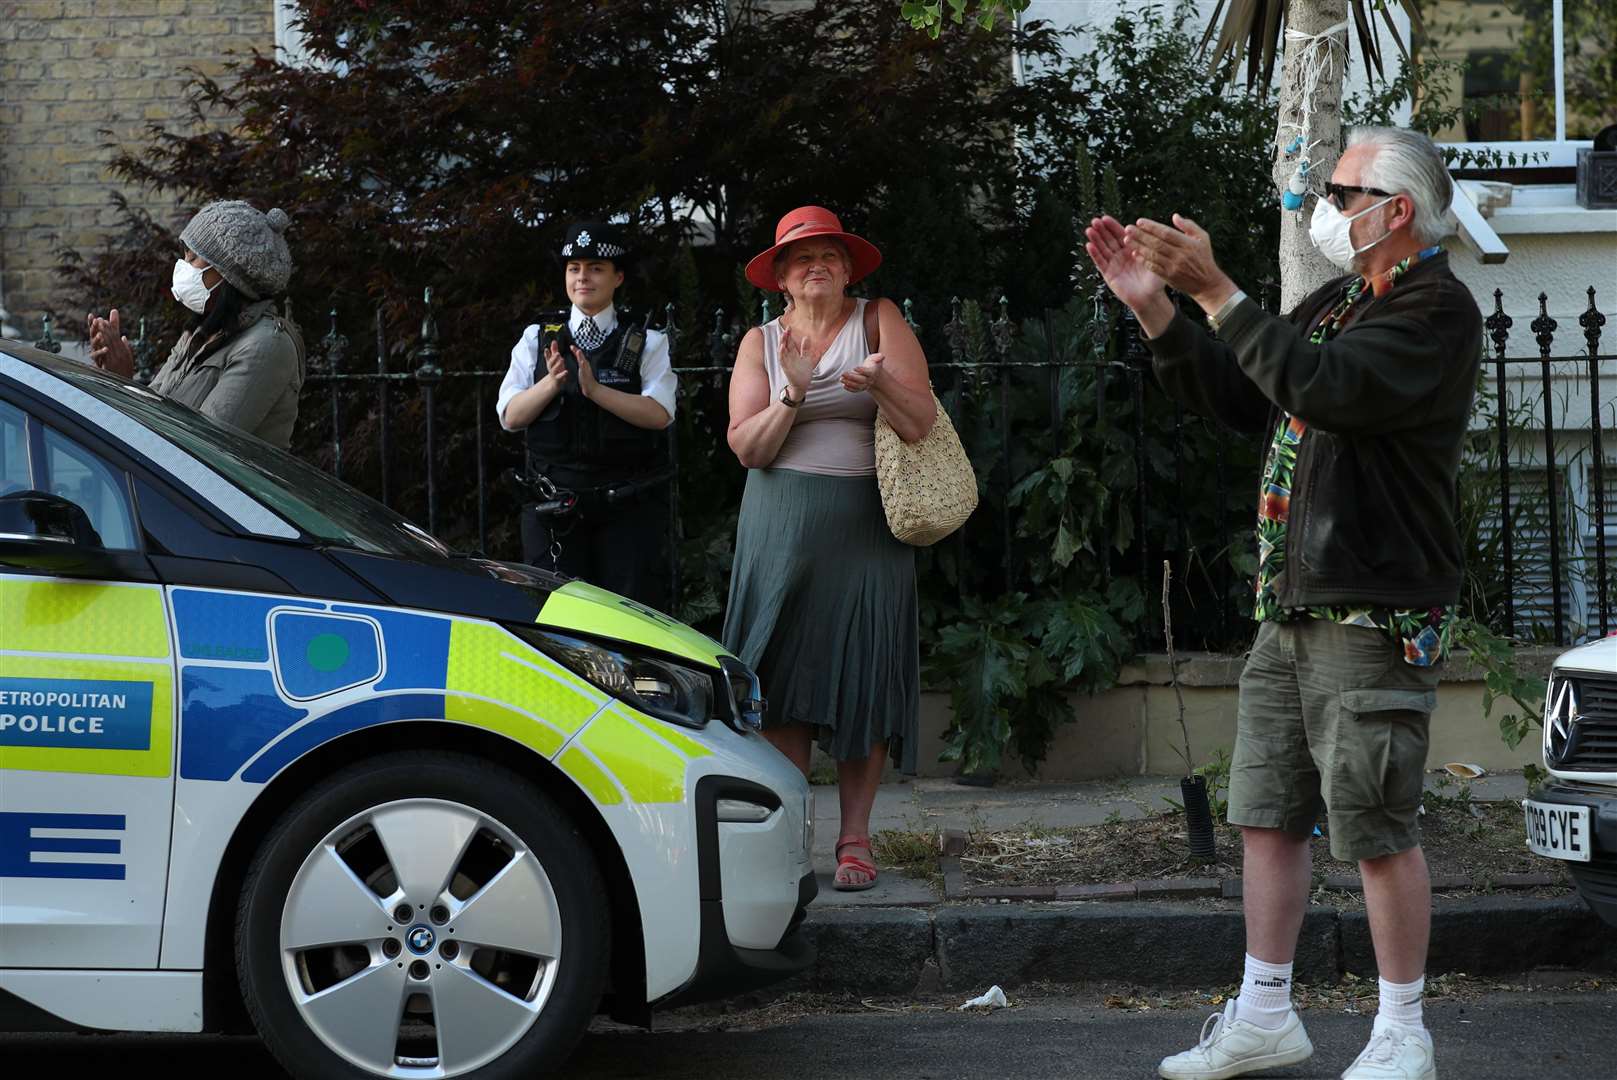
70,72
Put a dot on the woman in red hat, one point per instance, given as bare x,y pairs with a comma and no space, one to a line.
822,597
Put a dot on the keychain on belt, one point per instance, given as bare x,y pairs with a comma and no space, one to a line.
557,504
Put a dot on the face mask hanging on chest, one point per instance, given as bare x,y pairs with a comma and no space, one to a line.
1331,232
188,288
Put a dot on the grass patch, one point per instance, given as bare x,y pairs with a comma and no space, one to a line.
910,852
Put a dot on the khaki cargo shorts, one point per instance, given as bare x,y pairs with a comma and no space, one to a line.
1332,716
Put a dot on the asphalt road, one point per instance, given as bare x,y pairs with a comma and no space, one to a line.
1518,1036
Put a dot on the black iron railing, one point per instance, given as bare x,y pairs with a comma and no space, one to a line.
1543,544
1544,532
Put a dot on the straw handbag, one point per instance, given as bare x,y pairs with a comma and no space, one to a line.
928,489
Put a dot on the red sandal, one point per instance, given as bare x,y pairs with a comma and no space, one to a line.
853,862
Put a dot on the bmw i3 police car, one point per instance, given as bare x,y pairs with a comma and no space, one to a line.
271,754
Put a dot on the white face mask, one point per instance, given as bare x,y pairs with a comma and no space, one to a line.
188,288
1331,232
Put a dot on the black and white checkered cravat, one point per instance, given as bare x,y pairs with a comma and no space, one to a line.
588,335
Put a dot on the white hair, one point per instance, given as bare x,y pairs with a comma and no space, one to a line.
1408,163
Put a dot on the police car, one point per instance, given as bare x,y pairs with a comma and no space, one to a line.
1573,817
272,757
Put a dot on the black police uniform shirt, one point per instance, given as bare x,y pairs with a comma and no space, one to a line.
657,380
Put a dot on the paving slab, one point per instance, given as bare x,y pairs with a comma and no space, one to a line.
892,889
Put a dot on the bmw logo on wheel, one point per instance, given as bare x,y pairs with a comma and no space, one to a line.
420,939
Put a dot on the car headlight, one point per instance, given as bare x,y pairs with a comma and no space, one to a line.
653,684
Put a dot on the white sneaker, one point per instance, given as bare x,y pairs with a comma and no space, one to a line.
1394,1053
1231,1047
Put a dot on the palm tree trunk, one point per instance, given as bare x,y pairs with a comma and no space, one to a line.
1303,269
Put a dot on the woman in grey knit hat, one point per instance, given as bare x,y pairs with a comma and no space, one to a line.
240,361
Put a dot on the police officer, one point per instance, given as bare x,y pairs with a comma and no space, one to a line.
593,389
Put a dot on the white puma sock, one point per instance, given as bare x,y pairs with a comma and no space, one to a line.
1265,999
1401,1003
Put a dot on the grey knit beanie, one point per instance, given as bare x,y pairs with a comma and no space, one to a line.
244,245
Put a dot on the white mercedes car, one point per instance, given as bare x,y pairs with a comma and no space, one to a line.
1573,816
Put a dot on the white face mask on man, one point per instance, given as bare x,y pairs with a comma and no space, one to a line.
188,288
1331,232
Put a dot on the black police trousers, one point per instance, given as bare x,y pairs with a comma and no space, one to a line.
621,548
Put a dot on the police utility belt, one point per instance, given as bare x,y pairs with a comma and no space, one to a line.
554,501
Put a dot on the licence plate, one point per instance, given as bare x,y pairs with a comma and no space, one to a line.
1558,832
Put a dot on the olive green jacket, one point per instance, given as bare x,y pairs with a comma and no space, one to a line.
251,382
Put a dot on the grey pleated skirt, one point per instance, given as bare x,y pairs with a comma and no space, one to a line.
822,606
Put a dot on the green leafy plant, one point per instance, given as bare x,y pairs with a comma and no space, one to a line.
929,15
1452,799
1217,774
1010,664
1496,656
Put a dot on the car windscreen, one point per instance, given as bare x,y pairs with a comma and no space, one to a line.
315,502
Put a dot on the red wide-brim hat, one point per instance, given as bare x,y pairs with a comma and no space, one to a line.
800,224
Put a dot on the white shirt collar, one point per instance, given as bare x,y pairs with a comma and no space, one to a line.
606,318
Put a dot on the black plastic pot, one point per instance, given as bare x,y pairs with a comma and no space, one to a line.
1198,817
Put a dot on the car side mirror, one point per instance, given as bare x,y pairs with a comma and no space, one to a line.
40,517
41,532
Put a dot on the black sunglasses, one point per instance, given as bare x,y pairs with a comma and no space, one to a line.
1338,193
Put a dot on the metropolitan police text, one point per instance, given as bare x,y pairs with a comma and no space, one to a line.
46,699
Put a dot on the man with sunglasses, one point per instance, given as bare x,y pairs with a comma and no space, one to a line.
1365,391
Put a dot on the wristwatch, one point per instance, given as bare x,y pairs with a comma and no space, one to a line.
786,397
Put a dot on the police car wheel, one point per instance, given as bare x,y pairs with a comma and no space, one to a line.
422,914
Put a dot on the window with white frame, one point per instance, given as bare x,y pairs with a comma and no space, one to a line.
1534,77
289,44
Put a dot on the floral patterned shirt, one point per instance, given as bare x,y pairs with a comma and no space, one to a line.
1426,634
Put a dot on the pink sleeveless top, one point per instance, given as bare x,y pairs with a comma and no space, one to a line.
834,433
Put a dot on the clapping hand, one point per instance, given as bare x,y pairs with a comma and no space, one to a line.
795,363
109,349
586,374
1182,256
556,367
1130,278
864,377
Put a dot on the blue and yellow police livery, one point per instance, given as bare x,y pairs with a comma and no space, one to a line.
271,755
